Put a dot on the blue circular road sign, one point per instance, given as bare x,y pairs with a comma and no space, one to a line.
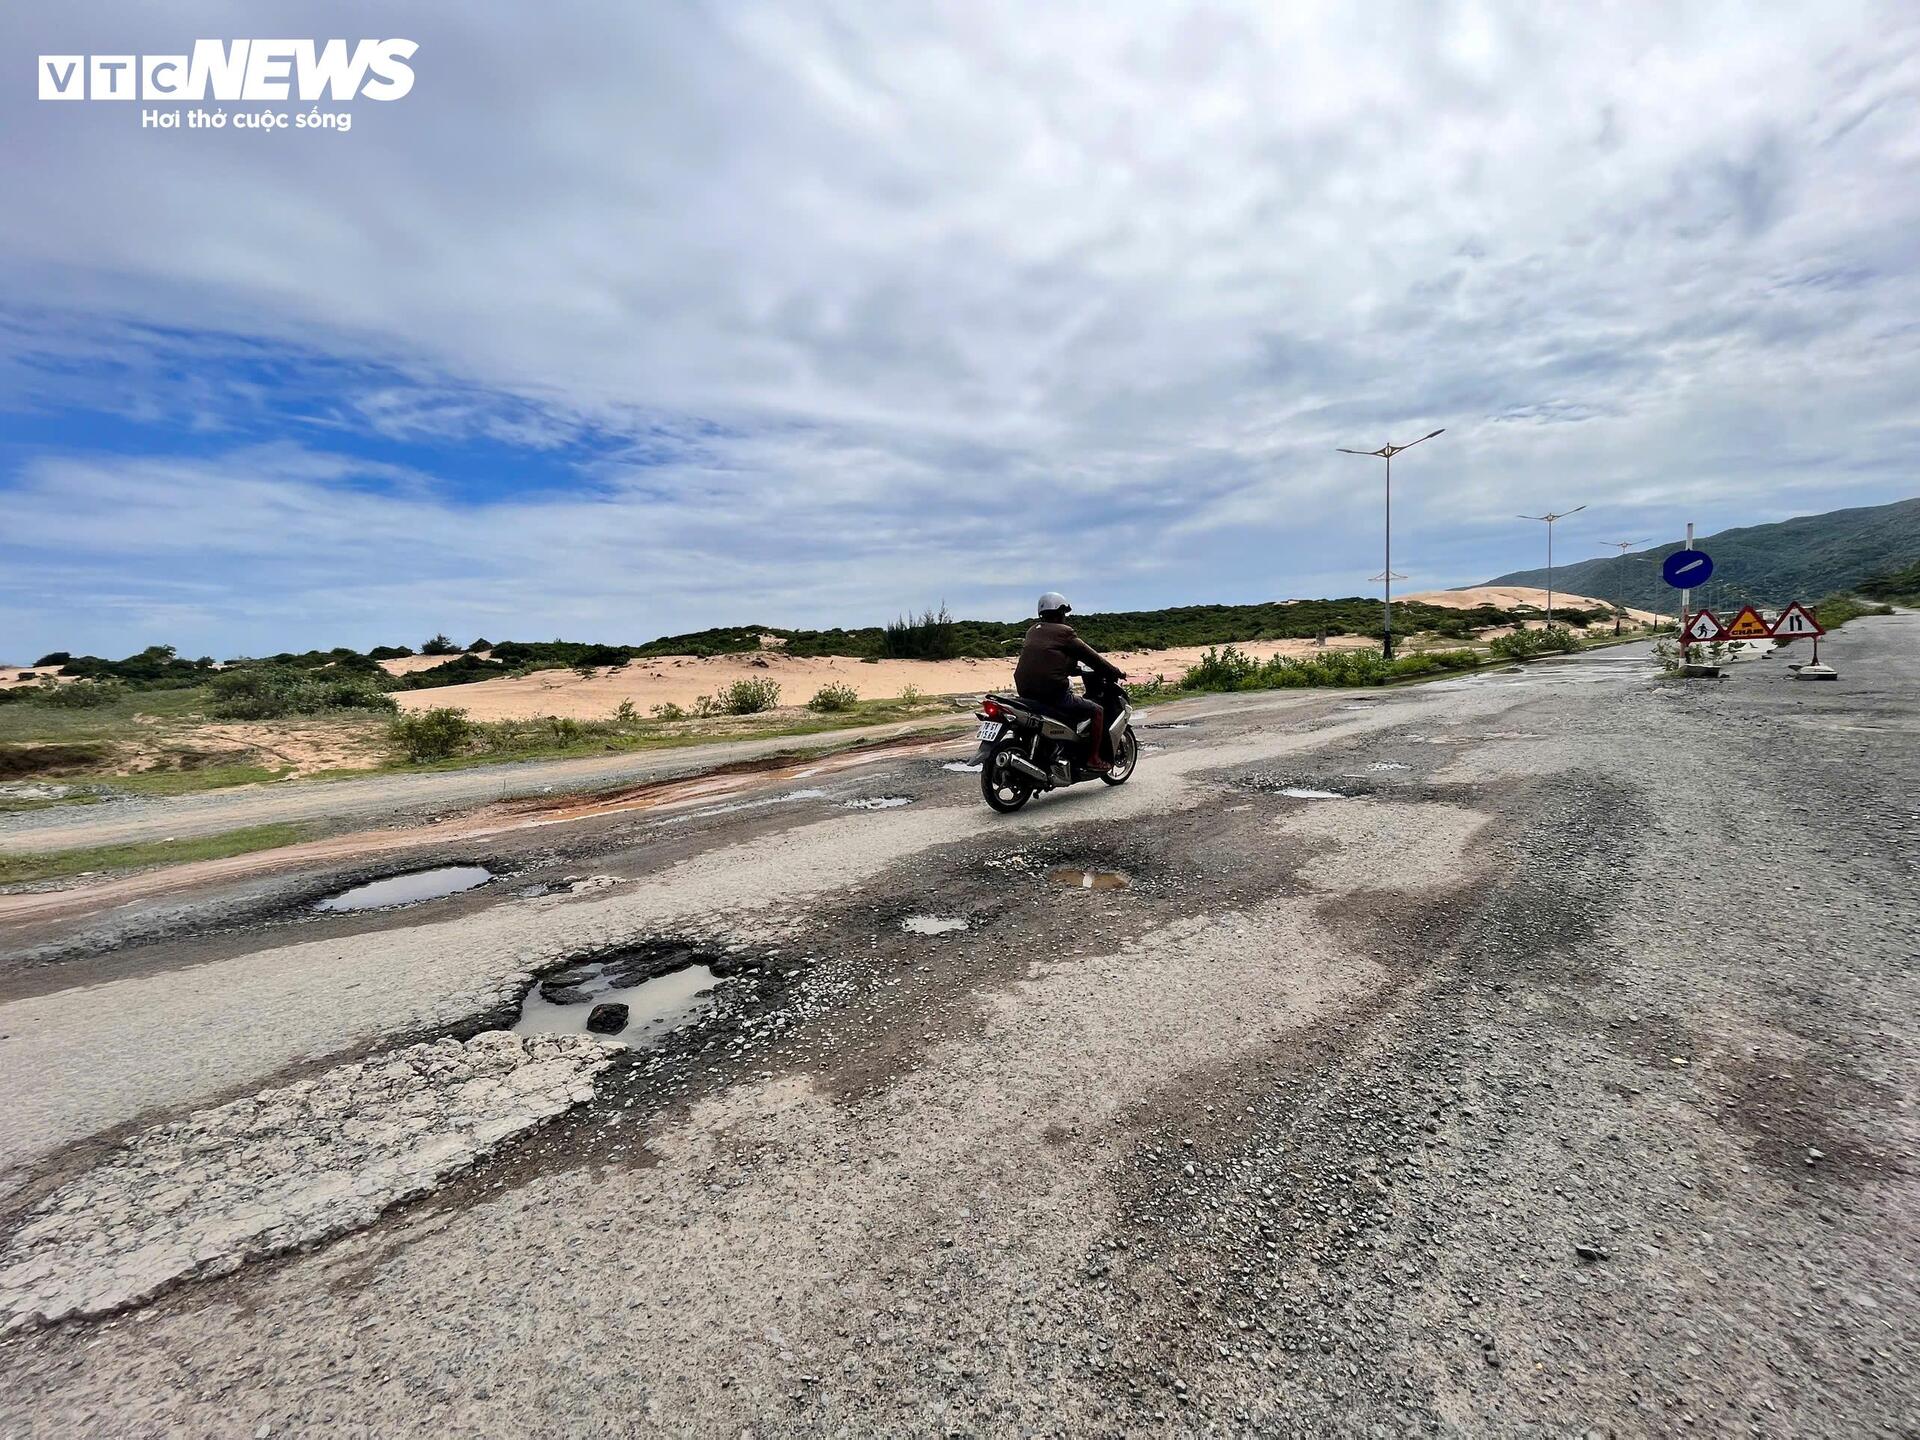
1686,569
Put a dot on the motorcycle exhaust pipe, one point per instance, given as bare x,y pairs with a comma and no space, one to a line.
1029,769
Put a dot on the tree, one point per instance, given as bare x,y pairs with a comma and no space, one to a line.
439,645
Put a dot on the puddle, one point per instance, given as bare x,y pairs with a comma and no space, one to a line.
1389,765
408,889
1088,879
655,1007
1362,708
932,924
1301,792
963,769
883,802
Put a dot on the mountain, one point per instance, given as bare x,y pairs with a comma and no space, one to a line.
1799,559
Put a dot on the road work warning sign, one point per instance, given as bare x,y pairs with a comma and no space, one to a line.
1748,625
1704,627
1795,621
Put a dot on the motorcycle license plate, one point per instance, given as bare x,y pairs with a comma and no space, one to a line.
989,729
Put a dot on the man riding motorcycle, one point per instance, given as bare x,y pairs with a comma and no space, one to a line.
1047,660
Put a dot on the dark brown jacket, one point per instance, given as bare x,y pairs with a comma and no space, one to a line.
1049,655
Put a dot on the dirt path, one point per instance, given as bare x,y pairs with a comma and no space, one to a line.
1453,1104
409,798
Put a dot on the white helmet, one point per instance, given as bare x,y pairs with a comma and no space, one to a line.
1054,600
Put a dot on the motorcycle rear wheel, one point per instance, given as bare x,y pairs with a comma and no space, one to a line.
1004,788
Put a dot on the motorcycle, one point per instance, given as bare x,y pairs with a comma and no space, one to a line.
1023,752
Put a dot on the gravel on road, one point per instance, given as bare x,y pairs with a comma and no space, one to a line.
1556,1075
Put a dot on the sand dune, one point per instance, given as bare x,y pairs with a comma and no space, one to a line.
1507,596
679,679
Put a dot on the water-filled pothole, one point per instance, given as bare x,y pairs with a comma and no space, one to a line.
1075,879
604,998
407,889
1302,792
880,802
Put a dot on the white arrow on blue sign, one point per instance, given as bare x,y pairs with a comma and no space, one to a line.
1686,569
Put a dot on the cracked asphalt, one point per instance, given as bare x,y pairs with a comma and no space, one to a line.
1558,1077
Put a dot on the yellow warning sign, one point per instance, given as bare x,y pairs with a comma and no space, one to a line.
1748,625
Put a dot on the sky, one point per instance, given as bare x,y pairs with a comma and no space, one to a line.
635,319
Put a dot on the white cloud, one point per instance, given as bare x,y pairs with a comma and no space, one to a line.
1000,295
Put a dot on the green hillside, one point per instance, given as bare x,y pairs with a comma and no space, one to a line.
1799,559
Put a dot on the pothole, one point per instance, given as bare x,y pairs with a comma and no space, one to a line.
963,769
1302,792
601,998
932,924
880,802
407,889
1075,879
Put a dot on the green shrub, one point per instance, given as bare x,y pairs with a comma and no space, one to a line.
56,659
481,644
833,699
911,695
931,637
1227,669
749,697
668,711
705,707
80,695
1837,610
626,713
389,652
430,734
1529,644
439,645
266,692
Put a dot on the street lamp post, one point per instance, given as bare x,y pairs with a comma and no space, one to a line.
1550,518
1386,453
1622,546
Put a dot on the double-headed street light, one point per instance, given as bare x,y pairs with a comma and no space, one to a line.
1550,518
1386,453
1622,546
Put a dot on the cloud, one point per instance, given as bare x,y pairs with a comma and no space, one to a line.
673,316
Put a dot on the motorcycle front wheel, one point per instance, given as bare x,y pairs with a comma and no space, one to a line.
1005,788
1123,762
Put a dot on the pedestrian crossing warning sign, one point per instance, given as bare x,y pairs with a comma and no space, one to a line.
1748,625
1703,627
1795,622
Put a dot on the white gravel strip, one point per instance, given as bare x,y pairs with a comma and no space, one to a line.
283,1169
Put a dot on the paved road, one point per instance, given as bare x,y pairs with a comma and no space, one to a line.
1558,1076
392,799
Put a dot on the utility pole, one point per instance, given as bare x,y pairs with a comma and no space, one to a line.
1550,518
1622,546
1386,453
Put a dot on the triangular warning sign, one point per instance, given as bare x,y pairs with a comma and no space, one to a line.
1703,626
1748,625
1795,622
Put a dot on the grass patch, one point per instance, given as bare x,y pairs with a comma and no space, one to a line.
1837,610
26,762
65,864
549,737
184,782
1232,669
30,723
